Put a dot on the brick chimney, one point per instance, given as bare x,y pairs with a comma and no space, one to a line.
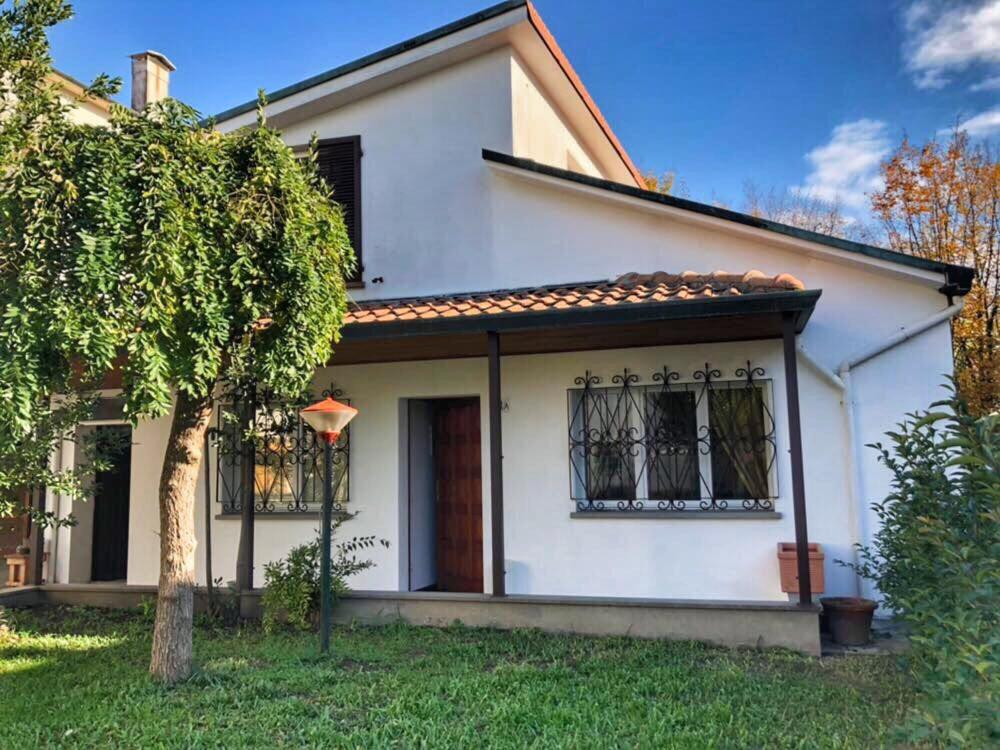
150,78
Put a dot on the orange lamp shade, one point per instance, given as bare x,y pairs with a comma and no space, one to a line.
328,417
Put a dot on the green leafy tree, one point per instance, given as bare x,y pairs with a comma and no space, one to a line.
936,560
25,454
188,255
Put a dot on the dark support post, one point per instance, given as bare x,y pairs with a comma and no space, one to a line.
325,593
244,561
37,542
496,465
210,586
795,449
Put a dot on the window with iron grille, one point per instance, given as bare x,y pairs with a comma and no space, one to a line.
703,444
287,471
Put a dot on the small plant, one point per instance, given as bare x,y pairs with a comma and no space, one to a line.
6,630
292,584
147,608
224,607
936,560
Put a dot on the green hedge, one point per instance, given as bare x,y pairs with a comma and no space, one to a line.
936,560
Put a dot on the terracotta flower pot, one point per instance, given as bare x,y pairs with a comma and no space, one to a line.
849,618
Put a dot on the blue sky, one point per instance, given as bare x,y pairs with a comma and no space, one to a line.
796,94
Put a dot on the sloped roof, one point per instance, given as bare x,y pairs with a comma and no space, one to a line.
486,14
628,290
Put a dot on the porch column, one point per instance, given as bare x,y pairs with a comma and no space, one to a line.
496,464
36,540
795,450
244,555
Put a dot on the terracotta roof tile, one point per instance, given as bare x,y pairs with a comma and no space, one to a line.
628,289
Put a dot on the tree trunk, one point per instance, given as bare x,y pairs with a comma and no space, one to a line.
172,633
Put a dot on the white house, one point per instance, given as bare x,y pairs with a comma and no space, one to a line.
572,391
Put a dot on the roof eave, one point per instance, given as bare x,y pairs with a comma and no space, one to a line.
371,59
798,303
563,62
530,15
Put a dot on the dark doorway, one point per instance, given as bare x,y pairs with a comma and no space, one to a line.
459,495
109,558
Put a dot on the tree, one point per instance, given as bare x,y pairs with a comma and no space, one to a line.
942,202
197,256
804,211
24,458
662,184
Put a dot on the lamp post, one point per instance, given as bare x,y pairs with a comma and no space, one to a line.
328,418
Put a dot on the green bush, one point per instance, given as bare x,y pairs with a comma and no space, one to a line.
291,584
936,560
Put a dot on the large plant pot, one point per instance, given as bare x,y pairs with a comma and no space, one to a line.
849,619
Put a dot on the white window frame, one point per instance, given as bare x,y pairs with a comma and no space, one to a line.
641,466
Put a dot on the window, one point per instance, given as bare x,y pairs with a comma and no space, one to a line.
288,462
738,433
601,462
672,422
705,444
339,163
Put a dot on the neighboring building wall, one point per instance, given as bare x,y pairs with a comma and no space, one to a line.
86,112
541,132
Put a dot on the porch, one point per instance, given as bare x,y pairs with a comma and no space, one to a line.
673,540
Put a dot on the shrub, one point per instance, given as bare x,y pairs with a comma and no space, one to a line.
936,560
292,586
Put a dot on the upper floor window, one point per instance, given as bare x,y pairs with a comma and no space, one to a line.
706,444
339,163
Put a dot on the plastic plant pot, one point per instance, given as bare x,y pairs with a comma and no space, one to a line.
849,619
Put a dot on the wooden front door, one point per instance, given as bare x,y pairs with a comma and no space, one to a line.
109,558
459,502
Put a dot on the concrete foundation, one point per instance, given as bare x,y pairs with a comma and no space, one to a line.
726,623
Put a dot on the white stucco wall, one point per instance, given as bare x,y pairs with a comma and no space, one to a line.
375,477
905,379
85,112
547,551
541,132
422,182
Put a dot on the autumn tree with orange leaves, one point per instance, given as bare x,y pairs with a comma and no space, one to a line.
942,202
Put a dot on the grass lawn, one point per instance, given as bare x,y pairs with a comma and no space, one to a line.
77,678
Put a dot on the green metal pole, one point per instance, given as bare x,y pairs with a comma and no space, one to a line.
326,595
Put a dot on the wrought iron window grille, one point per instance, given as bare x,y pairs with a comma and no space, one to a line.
706,443
255,425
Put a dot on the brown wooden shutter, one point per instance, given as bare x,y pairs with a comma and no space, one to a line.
339,163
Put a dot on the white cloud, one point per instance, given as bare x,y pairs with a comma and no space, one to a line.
846,168
983,124
987,84
945,37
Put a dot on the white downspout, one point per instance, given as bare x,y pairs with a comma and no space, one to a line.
841,379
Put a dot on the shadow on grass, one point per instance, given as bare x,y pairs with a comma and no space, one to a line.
402,685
